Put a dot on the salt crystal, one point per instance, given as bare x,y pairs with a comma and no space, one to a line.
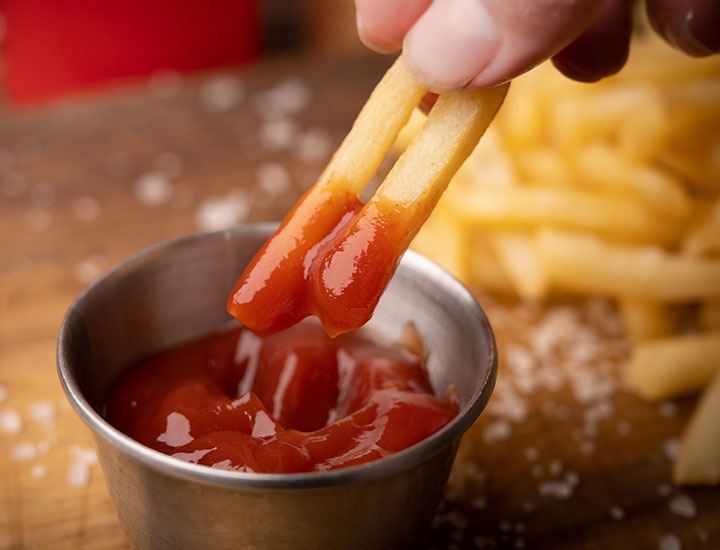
164,83
168,163
557,489
670,542
43,412
24,451
78,474
478,502
683,505
531,454
507,404
39,219
624,428
587,448
3,394
153,189
498,430
273,179
664,490
90,268
86,209
555,467
42,195
286,98
668,409
278,135
572,478
39,471
221,94
617,513
313,145
671,447
10,421
215,213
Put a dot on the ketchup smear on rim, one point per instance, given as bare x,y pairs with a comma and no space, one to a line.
296,401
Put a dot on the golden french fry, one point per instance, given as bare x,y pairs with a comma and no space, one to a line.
526,208
516,254
443,242
600,166
703,237
645,319
698,460
583,263
484,270
674,366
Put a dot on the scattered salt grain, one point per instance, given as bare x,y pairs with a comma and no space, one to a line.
42,195
587,447
168,163
671,447
39,471
78,473
664,490
43,412
86,209
668,409
557,489
278,135
555,468
90,268
531,454
572,478
273,179
624,428
313,145
498,430
670,542
507,403
683,505
702,534
221,94
285,98
617,513
3,393
164,83
24,451
39,219
215,213
153,189
10,421
479,502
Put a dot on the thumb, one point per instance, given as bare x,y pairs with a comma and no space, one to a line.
474,44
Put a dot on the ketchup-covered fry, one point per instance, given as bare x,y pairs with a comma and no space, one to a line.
333,256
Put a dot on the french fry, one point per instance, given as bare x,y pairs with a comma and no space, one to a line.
443,242
698,460
516,254
525,208
599,166
703,238
645,319
674,366
585,264
484,269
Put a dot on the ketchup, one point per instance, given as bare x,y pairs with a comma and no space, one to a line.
332,257
296,401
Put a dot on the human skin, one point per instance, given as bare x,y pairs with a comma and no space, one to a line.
471,44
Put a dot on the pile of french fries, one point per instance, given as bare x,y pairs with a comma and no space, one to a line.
610,189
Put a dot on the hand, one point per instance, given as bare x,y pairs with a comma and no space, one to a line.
471,44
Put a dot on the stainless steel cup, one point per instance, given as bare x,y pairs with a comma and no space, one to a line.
177,291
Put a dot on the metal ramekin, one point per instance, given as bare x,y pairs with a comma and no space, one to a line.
177,291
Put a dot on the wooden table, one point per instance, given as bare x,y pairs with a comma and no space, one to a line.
565,464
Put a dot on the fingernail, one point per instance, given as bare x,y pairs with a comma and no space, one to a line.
365,39
451,43
687,34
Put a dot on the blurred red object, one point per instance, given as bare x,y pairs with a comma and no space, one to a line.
54,47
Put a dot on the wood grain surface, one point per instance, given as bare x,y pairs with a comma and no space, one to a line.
555,468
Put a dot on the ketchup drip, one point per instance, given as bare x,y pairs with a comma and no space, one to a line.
332,257
296,401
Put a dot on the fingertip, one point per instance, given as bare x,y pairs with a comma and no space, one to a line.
689,25
382,24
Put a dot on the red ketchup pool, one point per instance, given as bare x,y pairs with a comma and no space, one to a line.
296,401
